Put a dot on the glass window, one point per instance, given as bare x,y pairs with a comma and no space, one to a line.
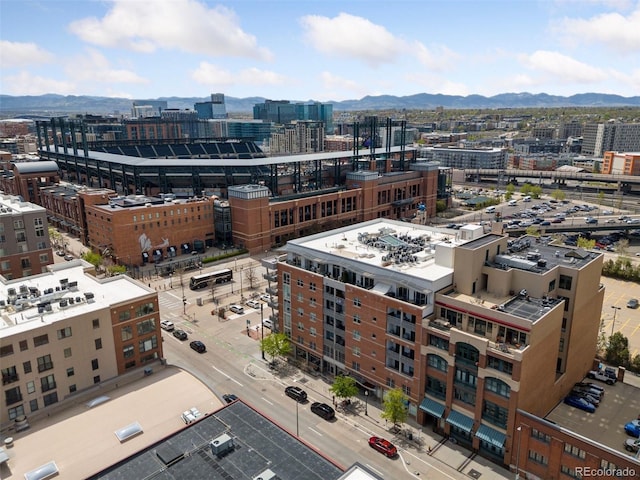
146,326
40,340
148,344
64,333
437,362
27,366
44,363
496,385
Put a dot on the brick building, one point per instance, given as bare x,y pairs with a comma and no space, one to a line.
621,163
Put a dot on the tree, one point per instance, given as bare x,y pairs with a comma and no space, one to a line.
394,407
276,345
602,340
94,259
536,191
618,350
586,243
558,195
441,206
344,387
56,238
116,270
533,231
250,276
526,189
511,188
622,246
635,363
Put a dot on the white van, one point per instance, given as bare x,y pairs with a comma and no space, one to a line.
513,203
490,209
526,199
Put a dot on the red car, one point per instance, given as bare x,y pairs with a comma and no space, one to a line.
383,446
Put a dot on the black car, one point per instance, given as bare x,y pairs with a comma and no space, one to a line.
198,346
229,397
180,334
323,410
296,393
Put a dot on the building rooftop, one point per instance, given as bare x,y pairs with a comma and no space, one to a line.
65,291
234,442
11,204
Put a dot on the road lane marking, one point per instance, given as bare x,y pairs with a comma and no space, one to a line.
230,378
377,471
270,403
316,432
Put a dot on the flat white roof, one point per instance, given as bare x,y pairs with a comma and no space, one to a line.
82,293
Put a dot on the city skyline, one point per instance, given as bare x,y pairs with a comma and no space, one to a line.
323,51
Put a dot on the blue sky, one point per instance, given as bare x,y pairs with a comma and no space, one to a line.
318,49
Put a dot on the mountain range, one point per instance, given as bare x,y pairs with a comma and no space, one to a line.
52,104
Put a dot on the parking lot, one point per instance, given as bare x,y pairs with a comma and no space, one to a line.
627,320
620,404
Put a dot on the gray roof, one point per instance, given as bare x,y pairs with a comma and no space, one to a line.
258,445
36,167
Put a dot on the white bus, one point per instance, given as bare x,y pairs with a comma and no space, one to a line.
204,279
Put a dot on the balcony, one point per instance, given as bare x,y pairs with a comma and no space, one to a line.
440,324
270,276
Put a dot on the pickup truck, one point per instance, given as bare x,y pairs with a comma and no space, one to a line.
602,376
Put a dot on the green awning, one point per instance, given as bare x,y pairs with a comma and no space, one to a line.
492,436
461,421
432,407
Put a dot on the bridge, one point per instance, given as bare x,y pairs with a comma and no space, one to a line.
575,226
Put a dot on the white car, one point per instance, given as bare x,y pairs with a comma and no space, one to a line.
252,304
237,309
167,325
267,323
265,297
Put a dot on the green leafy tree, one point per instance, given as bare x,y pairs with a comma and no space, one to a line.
586,243
441,206
533,231
622,246
511,188
56,238
536,191
618,350
602,340
276,345
93,258
394,407
635,364
558,195
526,189
116,270
344,387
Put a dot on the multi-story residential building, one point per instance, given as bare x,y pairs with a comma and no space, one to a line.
26,178
621,163
24,238
148,108
599,138
462,158
471,326
297,137
65,331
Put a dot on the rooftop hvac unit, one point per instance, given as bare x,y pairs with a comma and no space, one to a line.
221,445
266,475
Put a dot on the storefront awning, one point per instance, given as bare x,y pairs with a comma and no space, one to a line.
461,421
432,407
492,436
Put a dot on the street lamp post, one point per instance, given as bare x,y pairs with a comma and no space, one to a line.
519,429
615,310
366,403
171,280
262,328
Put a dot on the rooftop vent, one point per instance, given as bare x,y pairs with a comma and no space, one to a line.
221,445
266,475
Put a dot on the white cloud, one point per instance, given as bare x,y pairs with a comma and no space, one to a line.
352,37
438,58
183,25
96,68
562,68
24,83
614,30
437,84
213,75
19,54
336,86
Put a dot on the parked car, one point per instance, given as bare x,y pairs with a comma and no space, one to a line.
632,445
198,346
590,391
167,325
633,303
632,428
229,397
180,334
323,410
591,220
265,297
68,257
296,393
252,304
237,309
580,403
267,322
593,399
383,446
591,386
602,376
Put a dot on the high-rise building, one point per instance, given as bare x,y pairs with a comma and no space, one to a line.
470,326
25,248
283,112
610,137
215,108
148,108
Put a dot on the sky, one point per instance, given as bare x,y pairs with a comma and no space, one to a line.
322,50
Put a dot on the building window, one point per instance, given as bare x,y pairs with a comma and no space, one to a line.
538,458
300,283
47,383
465,377
312,317
356,319
390,382
438,342
72,388
124,316
464,395
356,302
96,323
33,405
64,333
12,396
50,399
538,435
16,412
312,286
301,326
126,333
6,350
355,366
27,366
312,331
146,326
565,282
437,362
94,364
496,385
67,352
44,363
406,390
436,387
70,372
570,472
148,344
24,345
499,364
98,343
96,379
356,351
301,312
40,340
574,451
10,375
356,335
495,414
31,387
128,351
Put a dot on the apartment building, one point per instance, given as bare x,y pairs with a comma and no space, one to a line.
599,138
65,331
469,325
25,248
621,163
466,158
